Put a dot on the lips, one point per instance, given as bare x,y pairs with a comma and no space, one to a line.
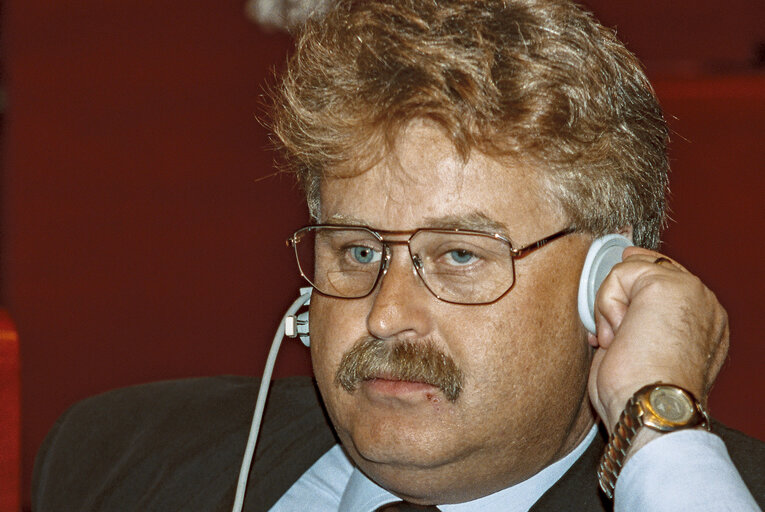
395,387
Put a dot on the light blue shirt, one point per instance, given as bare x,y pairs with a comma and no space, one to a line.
662,476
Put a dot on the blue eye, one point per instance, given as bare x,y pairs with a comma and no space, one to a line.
363,254
461,256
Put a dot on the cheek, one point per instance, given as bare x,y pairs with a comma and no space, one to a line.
527,380
527,341
324,338
335,325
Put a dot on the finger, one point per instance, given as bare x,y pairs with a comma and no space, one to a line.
622,285
609,318
649,256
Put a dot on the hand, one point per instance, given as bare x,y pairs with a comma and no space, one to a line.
655,322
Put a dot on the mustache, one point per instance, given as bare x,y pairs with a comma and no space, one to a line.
422,361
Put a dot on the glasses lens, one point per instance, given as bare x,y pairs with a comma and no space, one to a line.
463,267
341,262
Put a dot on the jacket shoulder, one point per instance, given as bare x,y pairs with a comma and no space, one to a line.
748,455
178,445
578,489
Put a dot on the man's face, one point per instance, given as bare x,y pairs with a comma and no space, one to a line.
524,359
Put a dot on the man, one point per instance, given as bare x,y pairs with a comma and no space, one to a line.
459,158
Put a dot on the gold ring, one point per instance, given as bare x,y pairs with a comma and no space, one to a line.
662,259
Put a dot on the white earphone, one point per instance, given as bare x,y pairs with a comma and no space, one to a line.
604,253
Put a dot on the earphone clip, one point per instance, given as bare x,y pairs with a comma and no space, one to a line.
296,325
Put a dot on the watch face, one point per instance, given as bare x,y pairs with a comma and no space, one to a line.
671,404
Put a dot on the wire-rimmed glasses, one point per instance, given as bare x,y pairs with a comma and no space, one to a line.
457,265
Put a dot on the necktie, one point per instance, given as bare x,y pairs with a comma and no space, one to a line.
403,506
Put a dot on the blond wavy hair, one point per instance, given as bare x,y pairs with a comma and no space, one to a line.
538,81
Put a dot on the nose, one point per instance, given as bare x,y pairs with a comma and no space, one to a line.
401,303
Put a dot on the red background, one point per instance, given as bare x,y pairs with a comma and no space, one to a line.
143,226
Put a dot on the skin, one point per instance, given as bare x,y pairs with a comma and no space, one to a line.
526,358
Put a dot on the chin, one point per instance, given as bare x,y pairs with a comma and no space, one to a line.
408,469
400,438
423,471
398,450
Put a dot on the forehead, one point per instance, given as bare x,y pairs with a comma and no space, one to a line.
423,182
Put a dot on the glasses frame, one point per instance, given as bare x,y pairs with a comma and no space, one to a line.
382,237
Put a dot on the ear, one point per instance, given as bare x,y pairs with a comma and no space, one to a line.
627,232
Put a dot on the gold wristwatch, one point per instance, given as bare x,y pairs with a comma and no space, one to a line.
661,407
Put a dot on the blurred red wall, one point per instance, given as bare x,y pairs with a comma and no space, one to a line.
143,226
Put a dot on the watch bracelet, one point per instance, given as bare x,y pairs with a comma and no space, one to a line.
618,445
619,442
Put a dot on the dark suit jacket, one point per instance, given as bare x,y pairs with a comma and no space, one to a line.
178,445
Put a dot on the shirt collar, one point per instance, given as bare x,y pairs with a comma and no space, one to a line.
363,495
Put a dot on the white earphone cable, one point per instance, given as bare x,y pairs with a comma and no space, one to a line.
260,404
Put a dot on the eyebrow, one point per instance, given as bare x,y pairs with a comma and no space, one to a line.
346,220
474,221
